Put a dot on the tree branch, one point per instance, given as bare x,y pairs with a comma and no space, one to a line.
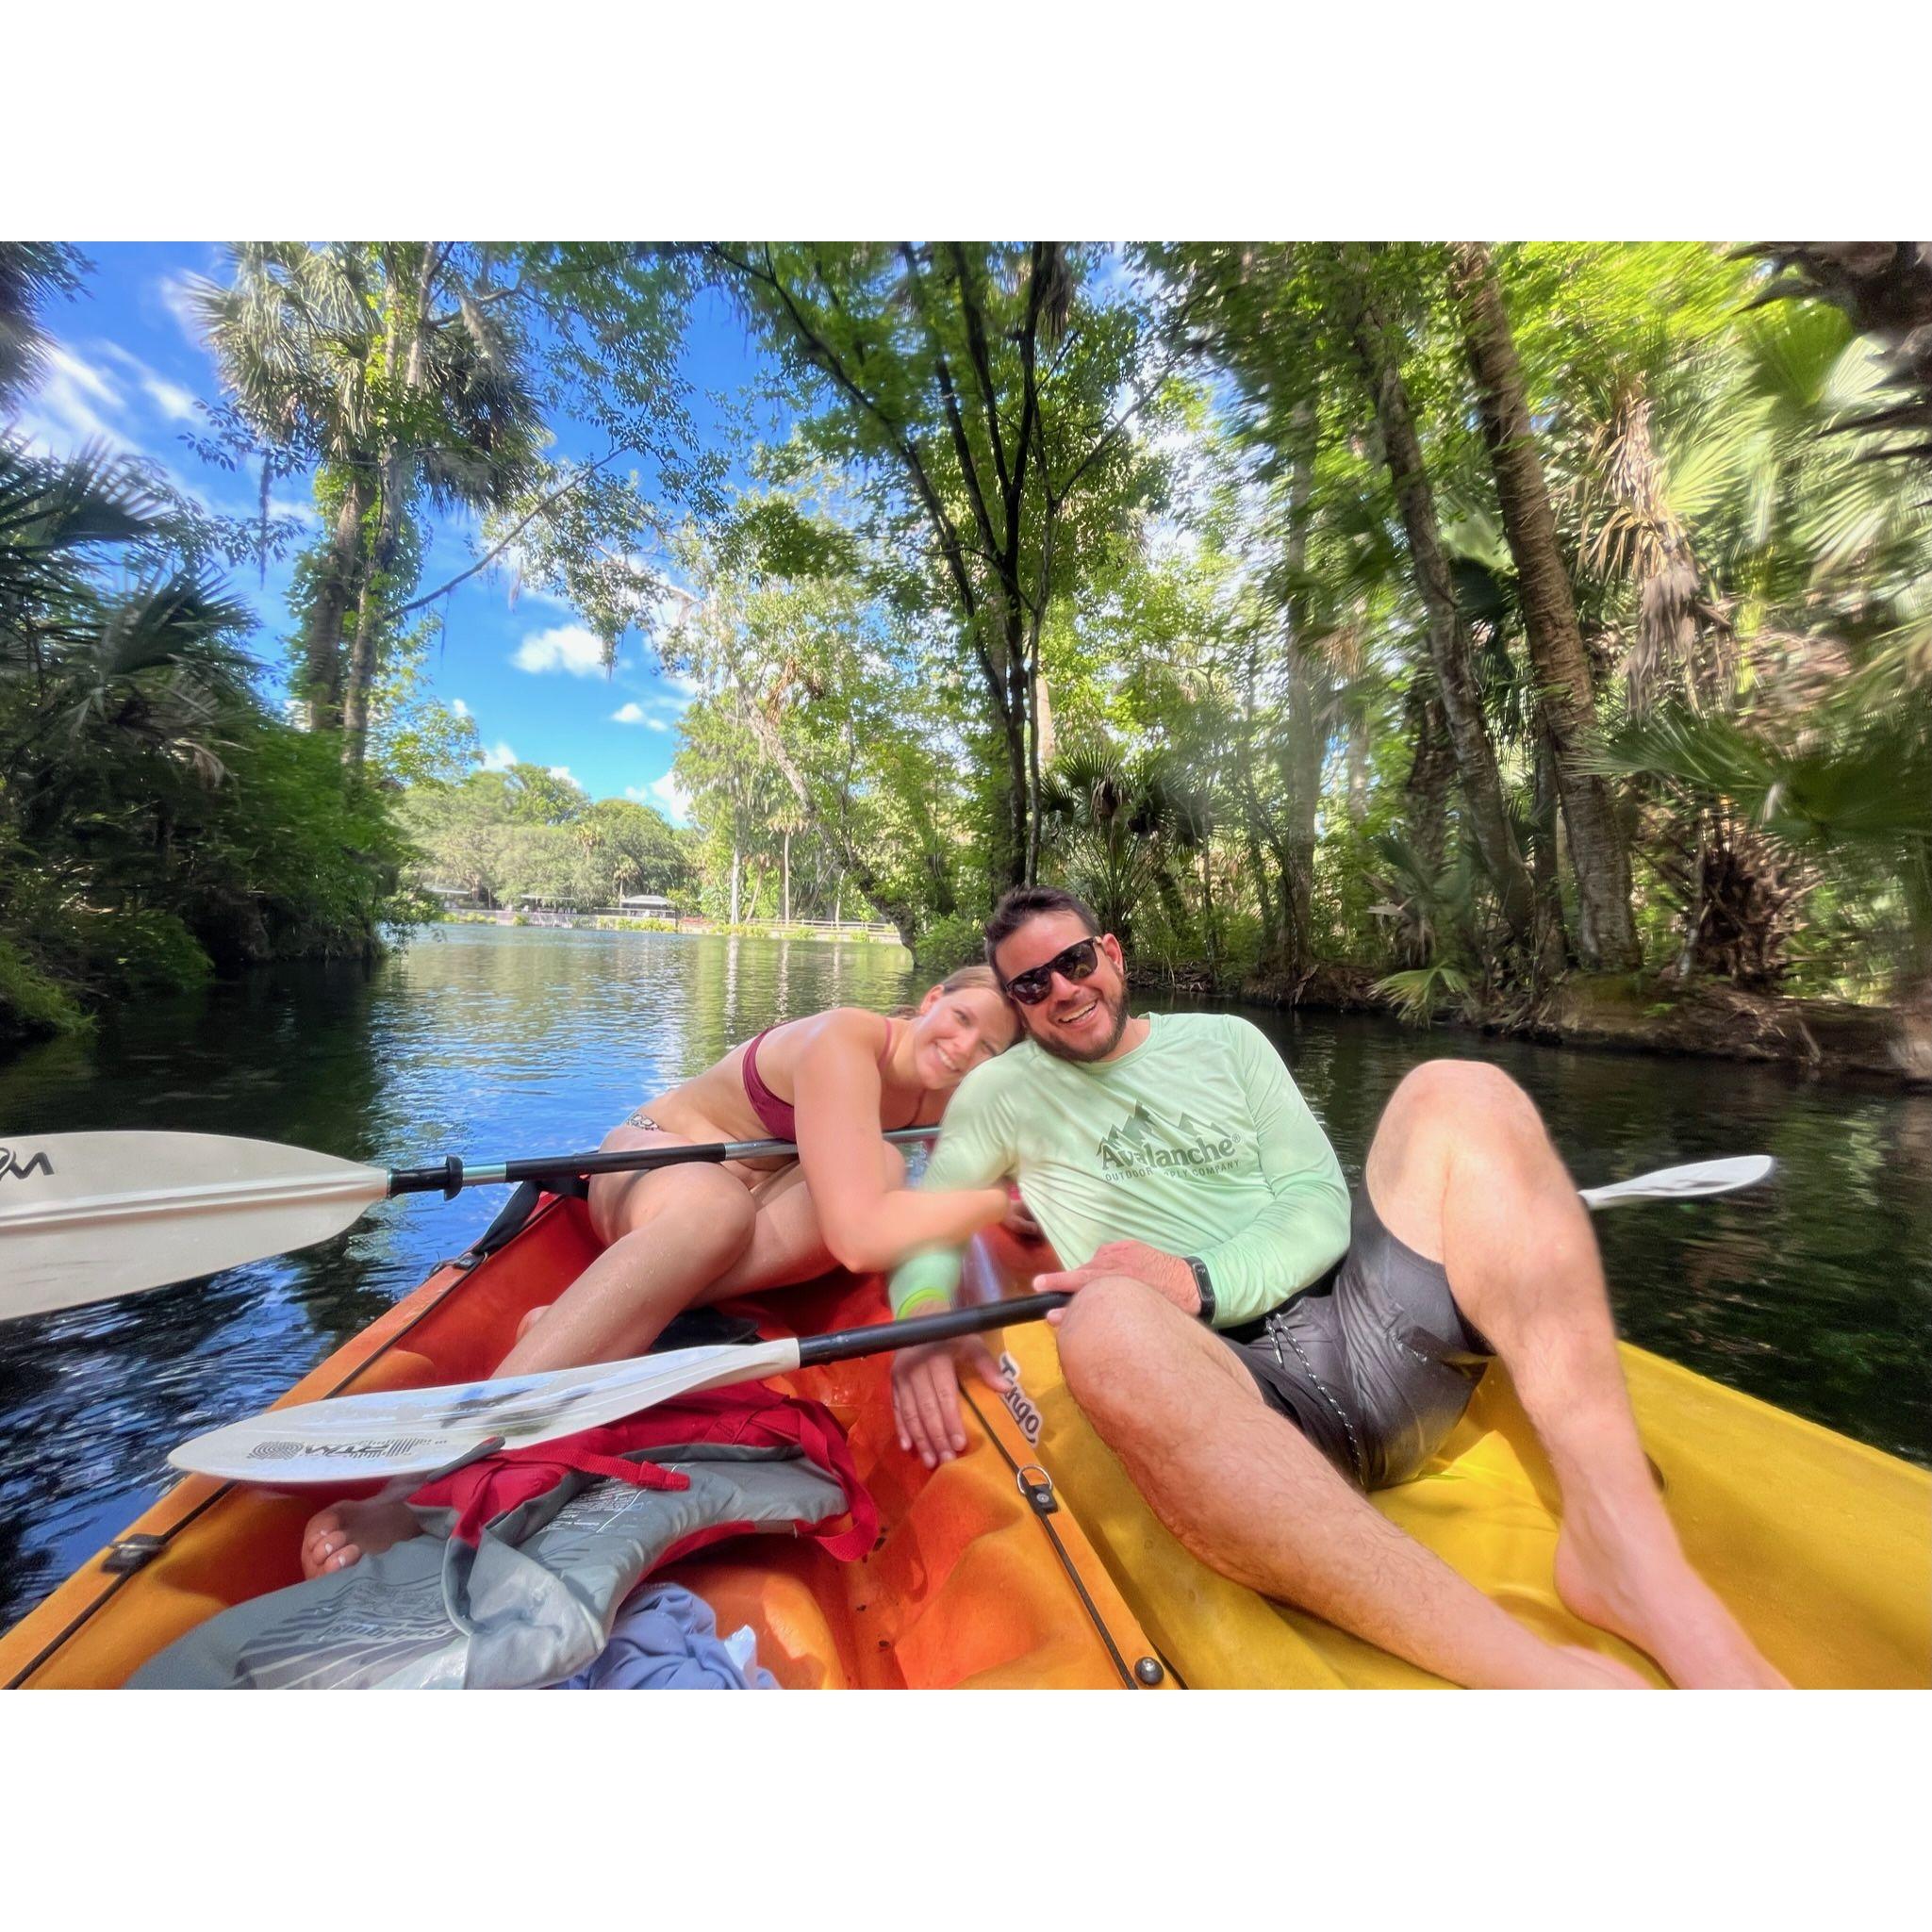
496,549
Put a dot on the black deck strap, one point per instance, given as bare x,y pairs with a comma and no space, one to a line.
1041,1510
509,1223
704,1328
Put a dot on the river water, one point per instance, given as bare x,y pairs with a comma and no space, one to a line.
1815,1294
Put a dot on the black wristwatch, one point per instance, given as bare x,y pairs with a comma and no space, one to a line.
1202,1286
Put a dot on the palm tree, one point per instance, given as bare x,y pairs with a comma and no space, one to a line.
1772,578
30,273
1117,825
152,661
1379,365
397,370
1566,705
1846,784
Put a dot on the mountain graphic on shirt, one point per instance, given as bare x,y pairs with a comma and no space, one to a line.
1144,1140
1137,1131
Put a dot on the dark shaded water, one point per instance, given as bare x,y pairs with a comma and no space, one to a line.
1815,1295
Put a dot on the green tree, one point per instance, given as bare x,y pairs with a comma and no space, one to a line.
397,369
986,397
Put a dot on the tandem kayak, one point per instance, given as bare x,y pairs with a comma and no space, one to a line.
979,1578
1031,1560
1821,1546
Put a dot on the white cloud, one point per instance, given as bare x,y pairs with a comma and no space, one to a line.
499,757
658,712
170,399
665,794
569,648
461,709
672,796
564,773
64,411
173,291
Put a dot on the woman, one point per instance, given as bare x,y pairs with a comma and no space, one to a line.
700,1231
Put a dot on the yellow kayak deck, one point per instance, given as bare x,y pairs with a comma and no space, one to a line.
1822,1548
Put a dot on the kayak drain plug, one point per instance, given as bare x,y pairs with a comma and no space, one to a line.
1149,1671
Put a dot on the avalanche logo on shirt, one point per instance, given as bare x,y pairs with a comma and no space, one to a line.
1144,1143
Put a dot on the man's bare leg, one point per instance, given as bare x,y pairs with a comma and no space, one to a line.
1249,1495
1461,1172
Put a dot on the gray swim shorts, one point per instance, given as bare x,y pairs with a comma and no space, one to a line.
1374,1362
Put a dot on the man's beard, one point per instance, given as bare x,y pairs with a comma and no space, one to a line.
1050,1039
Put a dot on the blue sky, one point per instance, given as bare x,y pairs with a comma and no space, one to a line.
129,369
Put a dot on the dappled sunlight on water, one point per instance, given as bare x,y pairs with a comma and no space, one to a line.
490,1043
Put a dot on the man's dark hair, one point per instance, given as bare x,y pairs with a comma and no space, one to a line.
1025,902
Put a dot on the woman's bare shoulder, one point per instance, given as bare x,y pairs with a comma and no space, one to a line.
838,1026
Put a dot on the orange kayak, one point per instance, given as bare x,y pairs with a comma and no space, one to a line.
971,1584
1821,1545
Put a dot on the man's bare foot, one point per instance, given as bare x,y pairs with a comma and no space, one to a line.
1596,1672
1658,1603
344,1533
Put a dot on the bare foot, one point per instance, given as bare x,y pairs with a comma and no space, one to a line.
531,1320
1596,1672
344,1533
1661,1605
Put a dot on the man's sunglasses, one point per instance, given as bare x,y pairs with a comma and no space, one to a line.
1077,963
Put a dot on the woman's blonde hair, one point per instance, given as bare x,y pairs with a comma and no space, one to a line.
978,977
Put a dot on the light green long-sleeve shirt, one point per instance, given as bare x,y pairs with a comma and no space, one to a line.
1197,1142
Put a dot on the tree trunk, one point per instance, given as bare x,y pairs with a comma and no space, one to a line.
341,574
1607,934
1551,937
734,863
1306,735
787,876
397,465
1431,765
375,595
1448,642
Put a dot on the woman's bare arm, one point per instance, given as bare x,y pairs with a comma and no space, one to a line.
865,1224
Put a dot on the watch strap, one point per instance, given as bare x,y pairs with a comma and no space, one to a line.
1203,1287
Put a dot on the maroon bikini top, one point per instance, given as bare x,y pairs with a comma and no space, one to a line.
779,1117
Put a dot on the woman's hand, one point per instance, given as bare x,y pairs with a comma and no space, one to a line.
925,1395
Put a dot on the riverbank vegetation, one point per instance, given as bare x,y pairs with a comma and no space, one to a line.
1495,632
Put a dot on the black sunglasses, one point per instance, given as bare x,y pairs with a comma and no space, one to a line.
1077,963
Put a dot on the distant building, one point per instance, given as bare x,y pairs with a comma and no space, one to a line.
648,906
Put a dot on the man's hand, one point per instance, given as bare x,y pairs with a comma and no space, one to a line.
1166,1274
925,1395
1019,1220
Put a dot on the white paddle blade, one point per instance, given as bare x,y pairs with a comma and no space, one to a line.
417,1431
1685,1183
86,1216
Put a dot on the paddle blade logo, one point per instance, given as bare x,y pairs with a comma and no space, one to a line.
16,1167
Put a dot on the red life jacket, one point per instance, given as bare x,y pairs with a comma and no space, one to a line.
748,1416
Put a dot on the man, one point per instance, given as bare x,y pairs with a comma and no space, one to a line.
1177,1173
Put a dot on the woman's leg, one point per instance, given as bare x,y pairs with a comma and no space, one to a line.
786,1244
670,1236
667,1233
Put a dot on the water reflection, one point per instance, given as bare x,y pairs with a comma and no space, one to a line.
490,1042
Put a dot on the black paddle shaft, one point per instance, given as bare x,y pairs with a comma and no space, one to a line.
842,1345
450,1176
